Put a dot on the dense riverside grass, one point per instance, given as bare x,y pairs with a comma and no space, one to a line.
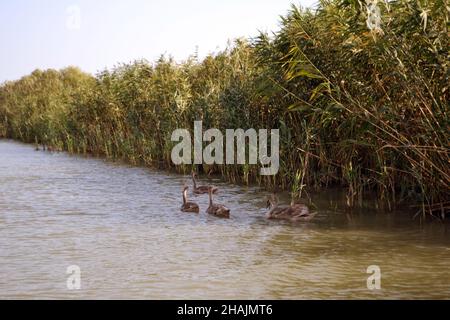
356,108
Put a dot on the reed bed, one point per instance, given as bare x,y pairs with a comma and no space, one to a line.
358,108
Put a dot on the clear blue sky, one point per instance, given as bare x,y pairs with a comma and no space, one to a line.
94,34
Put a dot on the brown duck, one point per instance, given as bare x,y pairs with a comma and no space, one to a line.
189,206
217,210
294,212
201,189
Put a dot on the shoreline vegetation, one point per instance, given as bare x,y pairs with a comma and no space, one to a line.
365,110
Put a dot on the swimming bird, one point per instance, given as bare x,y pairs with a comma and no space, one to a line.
217,210
189,206
201,189
294,212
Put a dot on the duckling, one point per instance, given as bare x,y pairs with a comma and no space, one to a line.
294,212
217,210
189,206
201,189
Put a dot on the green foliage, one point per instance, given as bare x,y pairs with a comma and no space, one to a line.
363,110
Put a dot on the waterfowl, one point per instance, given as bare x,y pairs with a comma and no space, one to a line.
294,212
201,189
217,210
189,206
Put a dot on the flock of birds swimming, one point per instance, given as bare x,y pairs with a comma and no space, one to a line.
293,212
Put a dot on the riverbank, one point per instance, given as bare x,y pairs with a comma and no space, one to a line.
357,109
331,200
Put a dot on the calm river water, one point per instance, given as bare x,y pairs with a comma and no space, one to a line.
122,227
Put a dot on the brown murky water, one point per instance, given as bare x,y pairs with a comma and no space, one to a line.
122,226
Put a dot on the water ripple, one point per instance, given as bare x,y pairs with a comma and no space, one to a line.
123,227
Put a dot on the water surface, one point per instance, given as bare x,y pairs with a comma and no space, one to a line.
122,226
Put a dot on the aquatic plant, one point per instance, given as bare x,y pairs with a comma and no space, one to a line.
358,89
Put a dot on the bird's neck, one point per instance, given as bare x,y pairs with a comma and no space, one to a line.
272,208
185,196
210,198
